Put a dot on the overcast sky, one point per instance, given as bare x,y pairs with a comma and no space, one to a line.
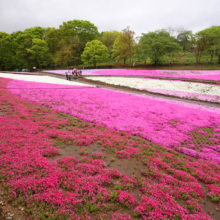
141,15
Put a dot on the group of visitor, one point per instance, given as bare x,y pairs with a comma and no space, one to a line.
73,72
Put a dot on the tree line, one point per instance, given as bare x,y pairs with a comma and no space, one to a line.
76,42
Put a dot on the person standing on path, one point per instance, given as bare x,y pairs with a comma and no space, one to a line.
69,75
80,72
75,72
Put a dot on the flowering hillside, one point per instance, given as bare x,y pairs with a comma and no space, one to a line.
111,172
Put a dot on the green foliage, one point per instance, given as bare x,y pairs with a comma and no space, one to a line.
140,182
198,46
123,47
32,48
118,187
113,196
75,34
94,208
63,55
139,53
94,52
183,196
108,39
7,52
112,159
137,214
38,51
85,30
214,198
36,32
15,203
53,37
184,39
210,38
65,46
157,44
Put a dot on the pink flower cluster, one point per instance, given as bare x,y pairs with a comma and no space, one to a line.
187,95
68,187
206,154
157,120
65,185
189,74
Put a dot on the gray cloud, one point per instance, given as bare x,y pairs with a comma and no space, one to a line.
141,15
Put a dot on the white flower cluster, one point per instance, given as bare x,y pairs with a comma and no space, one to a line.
142,83
39,78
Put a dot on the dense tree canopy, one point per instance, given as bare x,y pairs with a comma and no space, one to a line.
38,51
123,47
85,30
65,46
210,37
157,44
108,39
95,51
198,46
184,40
53,37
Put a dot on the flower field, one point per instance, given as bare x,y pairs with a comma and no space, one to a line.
63,72
40,79
25,73
189,74
187,90
188,95
156,120
80,152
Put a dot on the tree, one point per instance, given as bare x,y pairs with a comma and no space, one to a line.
63,55
184,39
68,53
36,32
218,53
108,39
38,51
24,42
141,50
139,53
175,31
94,52
157,44
117,52
53,37
77,33
85,30
198,46
32,49
211,39
123,47
7,51
75,45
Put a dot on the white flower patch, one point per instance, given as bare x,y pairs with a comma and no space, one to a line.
137,83
42,79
